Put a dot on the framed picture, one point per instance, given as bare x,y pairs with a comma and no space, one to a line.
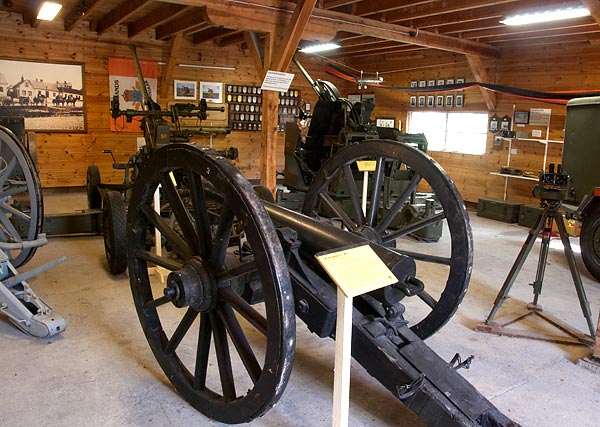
414,83
184,89
449,100
430,100
422,101
460,99
50,96
460,81
439,101
521,117
431,83
354,98
212,92
422,83
385,122
441,82
449,81
413,101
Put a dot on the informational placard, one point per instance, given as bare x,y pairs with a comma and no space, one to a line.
277,81
366,165
356,269
539,116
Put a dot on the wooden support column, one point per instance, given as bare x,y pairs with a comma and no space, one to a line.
481,75
167,74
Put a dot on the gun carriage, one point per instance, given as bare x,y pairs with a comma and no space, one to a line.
241,267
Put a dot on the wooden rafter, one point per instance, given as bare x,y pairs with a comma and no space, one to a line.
164,13
76,14
286,46
481,75
210,34
118,15
382,6
184,22
234,37
268,14
167,75
436,8
332,4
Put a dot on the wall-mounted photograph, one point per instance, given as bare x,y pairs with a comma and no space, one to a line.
413,101
421,101
460,101
449,100
185,89
430,100
439,101
212,92
50,96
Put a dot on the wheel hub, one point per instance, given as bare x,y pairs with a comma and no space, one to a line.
370,234
194,285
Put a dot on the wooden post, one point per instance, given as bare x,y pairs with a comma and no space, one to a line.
268,163
343,358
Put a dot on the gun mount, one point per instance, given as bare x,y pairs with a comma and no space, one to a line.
234,285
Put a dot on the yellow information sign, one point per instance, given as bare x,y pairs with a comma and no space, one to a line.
366,165
356,270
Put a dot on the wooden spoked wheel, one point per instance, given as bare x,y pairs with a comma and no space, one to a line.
444,267
227,354
20,197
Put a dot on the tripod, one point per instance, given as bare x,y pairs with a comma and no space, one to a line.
551,201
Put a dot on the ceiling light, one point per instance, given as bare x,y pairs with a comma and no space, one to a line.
48,11
319,47
546,16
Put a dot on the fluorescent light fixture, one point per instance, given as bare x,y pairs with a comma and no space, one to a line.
48,11
546,16
210,67
323,47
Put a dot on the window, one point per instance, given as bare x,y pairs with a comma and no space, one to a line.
454,132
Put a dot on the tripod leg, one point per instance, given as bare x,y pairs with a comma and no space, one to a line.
583,301
541,267
516,268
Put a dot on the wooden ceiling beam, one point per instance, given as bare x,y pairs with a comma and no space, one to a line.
286,46
209,34
167,75
505,32
117,15
164,13
332,4
491,12
190,19
77,14
546,35
438,8
589,38
480,74
367,8
234,37
251,16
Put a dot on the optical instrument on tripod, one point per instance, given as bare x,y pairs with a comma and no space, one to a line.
553,187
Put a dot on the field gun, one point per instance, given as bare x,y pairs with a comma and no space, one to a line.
222,326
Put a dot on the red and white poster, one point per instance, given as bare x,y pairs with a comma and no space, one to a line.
125,85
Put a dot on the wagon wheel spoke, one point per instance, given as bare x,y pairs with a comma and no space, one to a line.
234,273
202,352
179,211
180,246
398,204
8,171
246,310
162,261
375,194
182,329
223,234
415,226
339,213
200,213
240,342
354,199
223,358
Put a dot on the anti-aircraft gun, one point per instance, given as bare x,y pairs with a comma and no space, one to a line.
337,123
160,127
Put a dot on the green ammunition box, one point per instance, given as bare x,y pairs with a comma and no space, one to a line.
528,215
499,210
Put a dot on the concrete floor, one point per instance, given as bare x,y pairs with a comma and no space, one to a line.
101,372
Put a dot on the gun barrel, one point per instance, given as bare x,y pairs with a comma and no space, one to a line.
138,69
307,76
